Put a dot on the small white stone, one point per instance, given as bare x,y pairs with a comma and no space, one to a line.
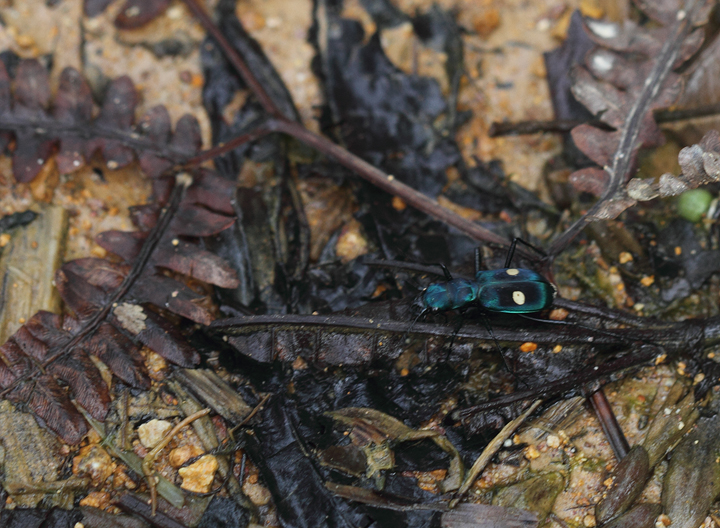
543,24
152,432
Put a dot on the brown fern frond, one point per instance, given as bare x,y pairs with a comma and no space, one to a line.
631,74
117,307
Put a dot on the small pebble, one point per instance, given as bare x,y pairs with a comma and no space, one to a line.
663,521
258,494
625,257
198,476
152,432
531,453
528,347
182,454
95,462
553,441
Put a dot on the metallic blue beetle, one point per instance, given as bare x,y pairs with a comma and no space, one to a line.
506,290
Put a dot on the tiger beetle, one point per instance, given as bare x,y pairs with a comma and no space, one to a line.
507,290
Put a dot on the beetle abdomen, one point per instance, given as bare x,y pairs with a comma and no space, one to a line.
516,297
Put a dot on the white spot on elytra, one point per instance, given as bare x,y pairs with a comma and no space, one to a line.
519,297
512,271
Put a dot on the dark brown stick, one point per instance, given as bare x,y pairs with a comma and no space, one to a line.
235,59
608,422
518,128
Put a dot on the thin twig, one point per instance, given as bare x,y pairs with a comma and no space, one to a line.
563,126
608,422
255,410
149,460
235,59
518,128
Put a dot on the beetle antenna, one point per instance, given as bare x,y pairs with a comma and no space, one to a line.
477,260
511,252
606,332
446,272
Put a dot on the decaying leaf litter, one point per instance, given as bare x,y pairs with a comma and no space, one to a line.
290,429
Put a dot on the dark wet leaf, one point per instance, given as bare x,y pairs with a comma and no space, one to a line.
17,219
255,58
297,488
387,117
439,30
641,516
537,494
37,518
692,481
629,479
224,512
384,13
693,259
559,63
469,515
